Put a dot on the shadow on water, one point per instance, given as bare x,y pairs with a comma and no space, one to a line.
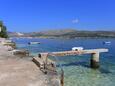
103,70
86,65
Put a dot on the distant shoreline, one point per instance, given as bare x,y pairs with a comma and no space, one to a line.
66,33
67,38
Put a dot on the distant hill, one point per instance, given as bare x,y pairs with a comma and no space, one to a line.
57,32
65,33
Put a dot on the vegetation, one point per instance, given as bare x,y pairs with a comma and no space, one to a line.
3,30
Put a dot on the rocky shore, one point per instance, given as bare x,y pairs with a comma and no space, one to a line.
16,71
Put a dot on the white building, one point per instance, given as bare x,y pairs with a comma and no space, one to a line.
0,29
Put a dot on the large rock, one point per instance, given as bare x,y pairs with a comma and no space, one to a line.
21,53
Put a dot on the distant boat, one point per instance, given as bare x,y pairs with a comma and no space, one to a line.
107,42
34,43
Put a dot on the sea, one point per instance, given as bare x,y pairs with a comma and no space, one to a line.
77,71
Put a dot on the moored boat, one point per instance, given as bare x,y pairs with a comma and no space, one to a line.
34,43
77,48
106,42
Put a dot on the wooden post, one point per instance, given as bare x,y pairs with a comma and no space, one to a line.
62,78
45,59
95,60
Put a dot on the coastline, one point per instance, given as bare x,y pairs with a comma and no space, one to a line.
16,71
66,37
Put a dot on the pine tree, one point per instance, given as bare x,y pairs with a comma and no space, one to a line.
3,32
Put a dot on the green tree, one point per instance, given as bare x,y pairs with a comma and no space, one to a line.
3,32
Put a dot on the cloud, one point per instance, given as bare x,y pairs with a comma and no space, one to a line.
75,21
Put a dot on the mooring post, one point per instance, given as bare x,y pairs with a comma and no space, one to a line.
44,57
95,60
62,78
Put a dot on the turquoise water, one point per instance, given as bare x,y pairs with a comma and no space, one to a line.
77,69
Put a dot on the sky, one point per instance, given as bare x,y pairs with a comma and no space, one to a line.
40,15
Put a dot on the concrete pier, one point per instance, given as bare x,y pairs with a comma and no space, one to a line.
94,55
44,63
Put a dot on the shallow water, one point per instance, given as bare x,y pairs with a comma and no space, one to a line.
76,68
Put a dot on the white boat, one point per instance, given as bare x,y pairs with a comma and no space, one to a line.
77,48
34,43
107,42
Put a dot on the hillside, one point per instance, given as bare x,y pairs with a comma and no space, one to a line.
65,33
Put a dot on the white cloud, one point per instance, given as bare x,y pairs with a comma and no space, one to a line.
75,21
